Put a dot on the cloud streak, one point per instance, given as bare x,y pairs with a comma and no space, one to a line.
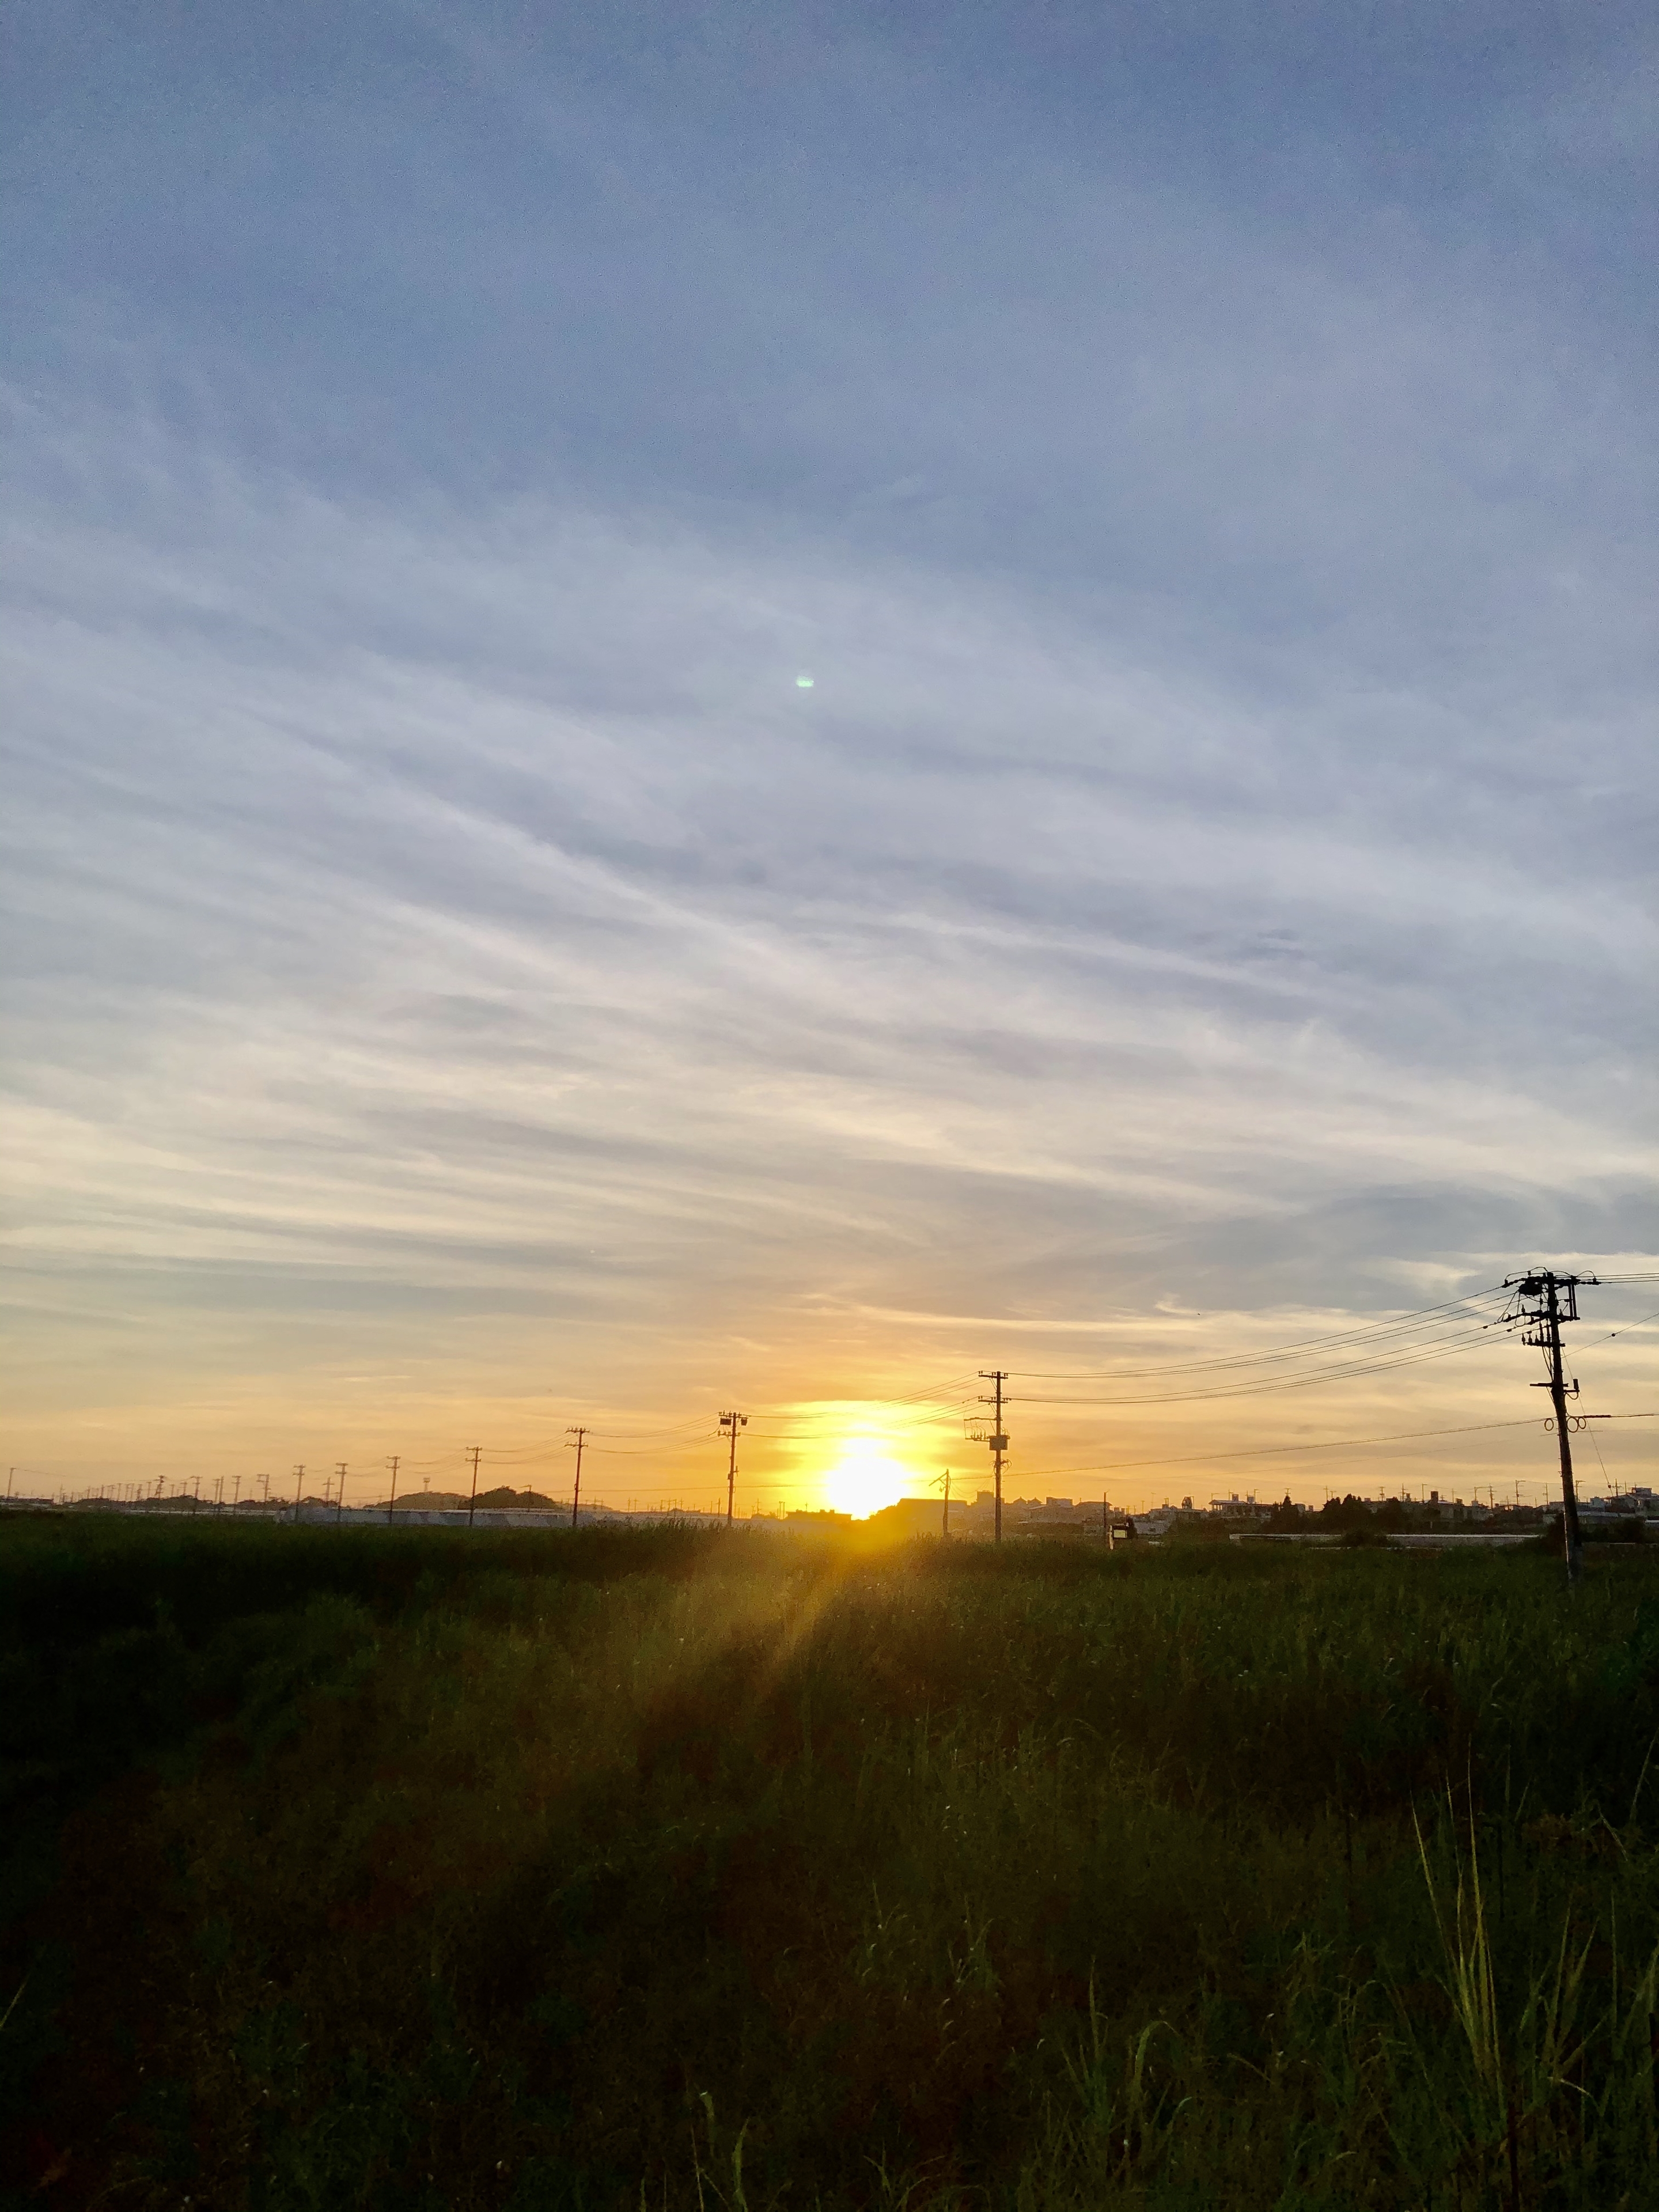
1209,867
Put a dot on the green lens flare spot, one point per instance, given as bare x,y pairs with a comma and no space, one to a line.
802,683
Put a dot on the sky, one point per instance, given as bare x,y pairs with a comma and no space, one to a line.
719,708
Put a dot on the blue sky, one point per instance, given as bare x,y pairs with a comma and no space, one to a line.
459,980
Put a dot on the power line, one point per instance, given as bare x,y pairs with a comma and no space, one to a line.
1267,1451
1358,1344
1462,1308
1542,1301
1407,1356
1441,1331
731,1423
999,1442
1623,1329
580,1435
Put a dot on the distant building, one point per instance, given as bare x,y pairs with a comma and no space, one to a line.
913,1516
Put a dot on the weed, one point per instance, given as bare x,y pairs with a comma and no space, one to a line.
411,1868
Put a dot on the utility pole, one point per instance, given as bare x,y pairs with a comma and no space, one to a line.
393,1500
580,1435
472,1502
1541,1303
999,1442
339,1502
299,1485
732,1423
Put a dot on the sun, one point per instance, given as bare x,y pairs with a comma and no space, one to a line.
864,1479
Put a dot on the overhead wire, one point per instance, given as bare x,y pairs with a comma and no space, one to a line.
1270,1451
1398,1341
1623,1329
1473,1303
1411,1356
1439,1343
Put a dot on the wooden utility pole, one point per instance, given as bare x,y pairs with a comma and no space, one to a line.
580,1435
999,1442
339,1502
472,1502
393,1500
731,1423
299,1485
1541,1303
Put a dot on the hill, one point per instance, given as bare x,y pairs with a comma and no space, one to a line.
500,1500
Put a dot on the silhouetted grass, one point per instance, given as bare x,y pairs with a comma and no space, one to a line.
410,1868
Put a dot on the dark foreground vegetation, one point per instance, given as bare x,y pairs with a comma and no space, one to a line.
608,1870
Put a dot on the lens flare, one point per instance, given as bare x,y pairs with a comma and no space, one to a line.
802,683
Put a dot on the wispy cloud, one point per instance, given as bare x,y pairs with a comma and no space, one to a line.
1211,864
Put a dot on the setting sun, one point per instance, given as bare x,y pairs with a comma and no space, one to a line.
864,1480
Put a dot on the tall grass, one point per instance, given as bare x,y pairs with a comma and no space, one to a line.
402,1868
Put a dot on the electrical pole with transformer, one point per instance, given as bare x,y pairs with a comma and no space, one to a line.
1542,1301
576,1487
732,1422
998,1440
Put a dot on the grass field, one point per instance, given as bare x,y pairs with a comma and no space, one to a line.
416,1869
